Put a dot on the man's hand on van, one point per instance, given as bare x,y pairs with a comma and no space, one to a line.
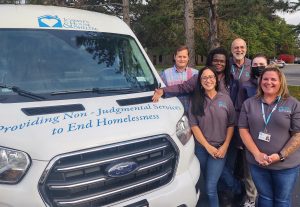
157,94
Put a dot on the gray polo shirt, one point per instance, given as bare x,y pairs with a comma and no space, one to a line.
240,73
219,115
222,86
284,120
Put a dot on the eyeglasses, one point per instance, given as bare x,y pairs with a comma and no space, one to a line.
206,78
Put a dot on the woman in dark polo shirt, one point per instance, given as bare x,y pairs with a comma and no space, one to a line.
211,117
269,126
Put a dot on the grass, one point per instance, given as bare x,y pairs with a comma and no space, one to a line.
295,91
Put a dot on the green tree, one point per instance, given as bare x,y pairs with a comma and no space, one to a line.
248,19
160,25
213,24
270,37
232,9
189,25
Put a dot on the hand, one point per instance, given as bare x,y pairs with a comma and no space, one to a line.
212,151
262,159
221,152
157,94
274,158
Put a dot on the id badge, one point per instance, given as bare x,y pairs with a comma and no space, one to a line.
264,136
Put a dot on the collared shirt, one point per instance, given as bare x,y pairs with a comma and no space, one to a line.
240,73
219,115
284,120
172,76
222,86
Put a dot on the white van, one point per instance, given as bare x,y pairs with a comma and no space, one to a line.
78,127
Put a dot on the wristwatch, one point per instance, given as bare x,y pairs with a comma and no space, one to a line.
281,158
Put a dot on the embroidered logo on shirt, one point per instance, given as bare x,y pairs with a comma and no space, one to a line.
222,104
284,109
247,74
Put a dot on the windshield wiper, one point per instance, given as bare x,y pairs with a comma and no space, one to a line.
24,93
116,90
99,91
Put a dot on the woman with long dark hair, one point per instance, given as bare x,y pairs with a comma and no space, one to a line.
211,118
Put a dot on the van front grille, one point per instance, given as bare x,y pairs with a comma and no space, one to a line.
105,175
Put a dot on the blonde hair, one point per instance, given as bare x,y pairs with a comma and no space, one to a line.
283,90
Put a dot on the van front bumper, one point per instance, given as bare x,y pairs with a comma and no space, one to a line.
181,191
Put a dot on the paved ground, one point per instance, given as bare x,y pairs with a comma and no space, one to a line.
292,73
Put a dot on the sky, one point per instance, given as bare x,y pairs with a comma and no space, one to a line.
293,18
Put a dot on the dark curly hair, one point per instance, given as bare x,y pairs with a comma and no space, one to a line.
224,52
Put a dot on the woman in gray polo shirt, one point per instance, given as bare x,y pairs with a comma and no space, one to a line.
269,126
211,117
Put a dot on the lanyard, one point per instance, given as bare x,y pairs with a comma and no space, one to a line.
263,111
233,71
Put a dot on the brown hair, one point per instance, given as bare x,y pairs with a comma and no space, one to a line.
261,56
283,90
180,48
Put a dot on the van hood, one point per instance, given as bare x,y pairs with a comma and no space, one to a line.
102,122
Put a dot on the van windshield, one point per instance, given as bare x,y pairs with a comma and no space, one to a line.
53,62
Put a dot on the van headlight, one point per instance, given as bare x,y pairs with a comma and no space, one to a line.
13,165
183,130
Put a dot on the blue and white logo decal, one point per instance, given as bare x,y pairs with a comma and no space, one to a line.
49,21
53,21
222,104
121,169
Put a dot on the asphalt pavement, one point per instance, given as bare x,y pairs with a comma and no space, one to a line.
292,73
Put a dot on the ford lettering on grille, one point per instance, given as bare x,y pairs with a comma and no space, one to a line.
121,169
